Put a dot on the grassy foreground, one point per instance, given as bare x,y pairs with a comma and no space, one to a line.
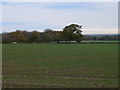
60,65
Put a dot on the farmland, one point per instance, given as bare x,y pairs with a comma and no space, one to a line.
60,65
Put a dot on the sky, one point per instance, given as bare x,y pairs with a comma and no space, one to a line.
95,17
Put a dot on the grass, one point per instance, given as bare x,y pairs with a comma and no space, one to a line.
60,65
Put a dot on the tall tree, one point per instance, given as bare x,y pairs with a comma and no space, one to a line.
72,32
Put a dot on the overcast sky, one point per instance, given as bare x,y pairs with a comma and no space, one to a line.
95,17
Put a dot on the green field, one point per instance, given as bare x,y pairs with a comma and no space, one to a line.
60,65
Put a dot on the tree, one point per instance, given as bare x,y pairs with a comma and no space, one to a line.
47,30
28,36
35,36
51,36
6,38
18,36
48,35
72,32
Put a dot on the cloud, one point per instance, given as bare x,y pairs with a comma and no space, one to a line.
56,15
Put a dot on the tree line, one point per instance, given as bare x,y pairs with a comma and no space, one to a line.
108,37
71,32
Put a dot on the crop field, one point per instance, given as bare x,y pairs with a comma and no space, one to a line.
60,65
